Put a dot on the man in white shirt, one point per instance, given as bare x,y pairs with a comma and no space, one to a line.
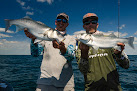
56,72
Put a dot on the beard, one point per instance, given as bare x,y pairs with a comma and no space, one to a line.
91,30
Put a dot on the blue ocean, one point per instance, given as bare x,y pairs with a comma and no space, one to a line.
21,71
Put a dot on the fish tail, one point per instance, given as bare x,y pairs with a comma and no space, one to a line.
7,24
130,41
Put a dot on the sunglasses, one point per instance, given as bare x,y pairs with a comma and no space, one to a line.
93,22
63,20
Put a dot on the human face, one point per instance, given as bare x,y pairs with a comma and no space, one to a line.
90,26
61,25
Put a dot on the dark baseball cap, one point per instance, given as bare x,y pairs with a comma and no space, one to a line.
64,15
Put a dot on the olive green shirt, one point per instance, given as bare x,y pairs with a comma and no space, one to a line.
99,70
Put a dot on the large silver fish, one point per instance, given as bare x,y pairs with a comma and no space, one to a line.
103,41
38,29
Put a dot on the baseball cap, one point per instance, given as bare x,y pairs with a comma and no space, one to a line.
64,15
90,15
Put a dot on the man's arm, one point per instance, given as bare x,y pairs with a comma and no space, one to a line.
120,57
68,52
122,60
35,48
82,57
60,46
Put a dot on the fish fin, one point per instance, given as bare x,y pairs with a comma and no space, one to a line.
130,41
27,17
7,21
40,22
18,28
95,47
112,35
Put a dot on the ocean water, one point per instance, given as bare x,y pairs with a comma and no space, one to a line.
22,72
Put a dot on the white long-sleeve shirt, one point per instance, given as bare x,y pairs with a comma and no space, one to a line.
55,68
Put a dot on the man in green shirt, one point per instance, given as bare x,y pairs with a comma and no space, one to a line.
99,68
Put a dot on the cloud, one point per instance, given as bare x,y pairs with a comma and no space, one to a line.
130,51
21,2
48,1
5,41
25,7
3,30
123,35
122,26
135,40
29,13
135,33
4,35
14,47
79,32
28,8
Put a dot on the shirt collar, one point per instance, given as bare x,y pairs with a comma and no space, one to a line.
62,32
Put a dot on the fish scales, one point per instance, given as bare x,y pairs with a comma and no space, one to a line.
103,41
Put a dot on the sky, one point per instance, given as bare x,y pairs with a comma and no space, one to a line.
12,43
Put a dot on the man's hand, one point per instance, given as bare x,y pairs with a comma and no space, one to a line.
60,46
28,34
122,48
84,50
83,47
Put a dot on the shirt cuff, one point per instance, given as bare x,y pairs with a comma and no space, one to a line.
36,49
70,53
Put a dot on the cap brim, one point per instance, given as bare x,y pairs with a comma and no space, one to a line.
92,17
62,16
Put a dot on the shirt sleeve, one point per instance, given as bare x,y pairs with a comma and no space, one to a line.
70,53
36,49
83,64
122,59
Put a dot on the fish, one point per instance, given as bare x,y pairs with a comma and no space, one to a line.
36,28
104,41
